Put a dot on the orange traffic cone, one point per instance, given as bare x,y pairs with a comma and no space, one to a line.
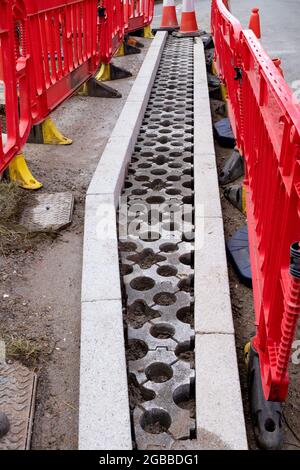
254,23
169,17
188,25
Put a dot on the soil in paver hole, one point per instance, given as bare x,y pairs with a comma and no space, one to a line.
187,285
165,298
156,428
137,393
186,315
189,405
160,379
156,185
163,336
127,247
146,258
136,350
188,356
139,313
142,283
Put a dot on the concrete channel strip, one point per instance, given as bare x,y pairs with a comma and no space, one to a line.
155,283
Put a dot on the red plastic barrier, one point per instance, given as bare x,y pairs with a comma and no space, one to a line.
272,155
111,28
63,42
14,80
137,14
267,125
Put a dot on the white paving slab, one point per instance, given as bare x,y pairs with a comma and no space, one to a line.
219,406
100,270
104,421
213,312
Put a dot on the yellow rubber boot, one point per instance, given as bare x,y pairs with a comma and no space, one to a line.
148,32
21,175
121,51
247,353
214,69
103,75
52,136
83,90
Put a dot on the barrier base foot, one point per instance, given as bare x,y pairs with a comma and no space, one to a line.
214,86
19,173
110,72
208,41
223,133
213,66
144,33
233,168
209,59
127,49
47,133
134,42
97,89
237,196
238,251
266,415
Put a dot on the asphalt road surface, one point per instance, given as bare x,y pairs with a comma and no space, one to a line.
279,25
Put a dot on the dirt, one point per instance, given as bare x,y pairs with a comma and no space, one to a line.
187,285
156,428
186,315
164,299
243,315
41,279
146,259
140,313
188,404
135,350
187,356
137,393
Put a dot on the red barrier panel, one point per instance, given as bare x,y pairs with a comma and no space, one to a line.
137,14
14,80
226,31
267,125
272,155
111,28
63,40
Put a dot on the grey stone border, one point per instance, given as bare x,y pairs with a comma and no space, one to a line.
219,408
104,420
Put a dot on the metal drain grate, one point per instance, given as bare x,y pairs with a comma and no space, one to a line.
17,395
156,234
50,212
